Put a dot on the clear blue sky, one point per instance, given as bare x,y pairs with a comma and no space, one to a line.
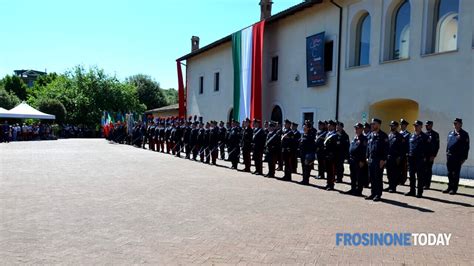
124,37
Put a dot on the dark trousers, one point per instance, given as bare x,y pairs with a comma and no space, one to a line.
428,173
234,156
222,151
340,168
168,146
257,158
195,152
271,160
404,166
294,162
288,168
417,172
177,149
321,166
454,171
247,158
213,154
376,177
207,154
331,171
187,148
357,178
307,167
151,144
394,172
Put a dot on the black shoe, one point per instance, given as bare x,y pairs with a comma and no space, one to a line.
410,193
419,195
320,177
392,190
286,179
386,189
258,173
357,193
452,192
304,182
329,188
339,180
371,197
377,198
426,187
446,191
269,176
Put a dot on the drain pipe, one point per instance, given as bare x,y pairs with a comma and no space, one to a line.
338,81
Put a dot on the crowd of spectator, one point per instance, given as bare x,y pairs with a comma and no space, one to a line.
25,132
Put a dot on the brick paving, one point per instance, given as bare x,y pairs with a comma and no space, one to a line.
88,201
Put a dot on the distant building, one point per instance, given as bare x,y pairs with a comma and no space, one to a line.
165,111
29,76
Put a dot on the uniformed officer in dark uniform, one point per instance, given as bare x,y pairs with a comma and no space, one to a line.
406,142
287,144
222,138
186,136
206,150
233,143
377,150
213,142
331,151
295,150
417,153
246,144
320,137
395,152
168,130
343,153
357,160
307,150
201,140
457,151
258,145
193,140
279,130
433,140
272,149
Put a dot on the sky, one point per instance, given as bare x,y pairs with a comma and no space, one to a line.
123,37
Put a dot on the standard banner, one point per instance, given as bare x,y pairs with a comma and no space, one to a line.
316,76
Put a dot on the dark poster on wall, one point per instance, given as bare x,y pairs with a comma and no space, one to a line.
316,76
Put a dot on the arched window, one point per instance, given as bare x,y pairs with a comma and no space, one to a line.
277,114
362,44
445,25
401,31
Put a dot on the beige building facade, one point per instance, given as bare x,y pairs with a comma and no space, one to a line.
409,59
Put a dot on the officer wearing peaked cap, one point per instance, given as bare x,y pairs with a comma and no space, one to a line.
258,146
406,142
417,153
433,141
395,152
272,148
295,148
332,148
357,160
377,147
246,144
457,151
287,146
319,142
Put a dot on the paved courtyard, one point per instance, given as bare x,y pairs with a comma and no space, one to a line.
88,201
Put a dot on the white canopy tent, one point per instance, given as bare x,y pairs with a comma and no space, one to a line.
3,110
24,111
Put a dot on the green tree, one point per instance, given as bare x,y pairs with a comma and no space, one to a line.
171,96
15,85
148,91
53,107
8,100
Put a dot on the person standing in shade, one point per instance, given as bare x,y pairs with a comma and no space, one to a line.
222,138
295,148
213,142
246,144
307,150
287,139
357,160
377,149
331,151
233,143
395,151
406,142
433,141
320,137
457,151
258,145
343,153
272,149
417,153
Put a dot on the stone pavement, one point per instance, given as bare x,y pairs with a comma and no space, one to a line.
88,201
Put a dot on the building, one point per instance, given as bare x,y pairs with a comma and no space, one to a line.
165,111
390,59
28,76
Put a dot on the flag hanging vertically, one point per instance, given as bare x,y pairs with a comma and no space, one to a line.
181,96
247,47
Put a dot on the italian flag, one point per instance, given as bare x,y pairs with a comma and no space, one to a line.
247,47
